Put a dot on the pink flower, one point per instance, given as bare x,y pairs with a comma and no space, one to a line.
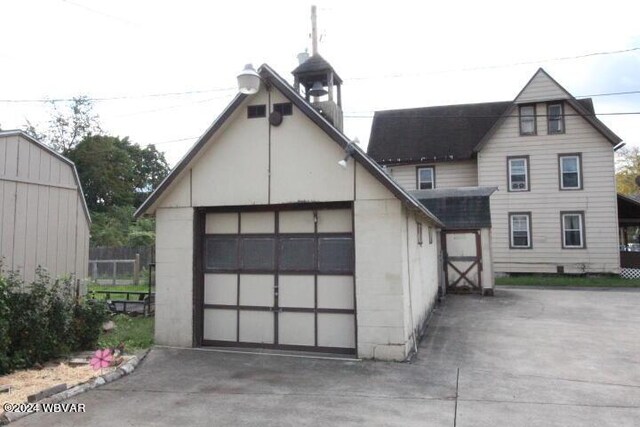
101,359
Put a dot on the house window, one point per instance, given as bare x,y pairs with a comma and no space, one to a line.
572,230
555,118
527,120
256,111
285,108
518,173
419,226
430,235
426,178
520,230
570,171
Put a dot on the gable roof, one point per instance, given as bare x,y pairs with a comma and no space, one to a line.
454,132
268,74
431,134
26,136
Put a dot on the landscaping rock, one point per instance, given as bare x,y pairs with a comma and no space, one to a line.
108,326
46,393
5,388
78,362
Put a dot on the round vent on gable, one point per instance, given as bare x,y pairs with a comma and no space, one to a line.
275,118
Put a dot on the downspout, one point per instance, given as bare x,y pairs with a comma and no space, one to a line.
413,328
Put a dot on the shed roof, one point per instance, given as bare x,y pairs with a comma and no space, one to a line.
464,208
267,73
31,139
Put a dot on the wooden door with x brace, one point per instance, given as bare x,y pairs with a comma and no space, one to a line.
462,261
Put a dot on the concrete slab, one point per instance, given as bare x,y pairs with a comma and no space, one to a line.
525,357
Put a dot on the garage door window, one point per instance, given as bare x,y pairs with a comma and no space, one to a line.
221,253
335,254
297,254
258,253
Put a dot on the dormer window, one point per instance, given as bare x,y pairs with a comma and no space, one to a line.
527,120
426,178
555,118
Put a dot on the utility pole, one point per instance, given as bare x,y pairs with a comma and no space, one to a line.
314,31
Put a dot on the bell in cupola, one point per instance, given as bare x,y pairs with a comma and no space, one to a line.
317,89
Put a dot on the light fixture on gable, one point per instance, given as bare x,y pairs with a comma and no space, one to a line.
349,149
248,80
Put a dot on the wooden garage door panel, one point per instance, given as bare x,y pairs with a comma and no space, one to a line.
256,326
220,325
296,291
221,223
257,222
336,330
296,329
221,289
335,221
335,292
296,222
256,290
278,298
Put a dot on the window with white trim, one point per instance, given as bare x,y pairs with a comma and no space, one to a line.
573,230
570,173
555,118
426,178
518,174
520,230
527,120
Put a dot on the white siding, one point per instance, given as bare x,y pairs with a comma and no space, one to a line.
448,175
545,201
541,88
42,218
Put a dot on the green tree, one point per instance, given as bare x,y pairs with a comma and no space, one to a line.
106,171
628,169
69,123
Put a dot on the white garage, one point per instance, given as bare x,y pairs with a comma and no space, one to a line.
275,231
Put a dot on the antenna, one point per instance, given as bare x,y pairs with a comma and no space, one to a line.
314,31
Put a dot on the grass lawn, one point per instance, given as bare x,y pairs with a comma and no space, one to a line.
567,280
135,332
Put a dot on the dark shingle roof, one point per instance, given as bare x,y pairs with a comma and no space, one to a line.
459,208
435,134
315,64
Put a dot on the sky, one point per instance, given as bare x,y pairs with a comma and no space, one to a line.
172,65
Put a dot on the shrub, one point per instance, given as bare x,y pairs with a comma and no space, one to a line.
43,320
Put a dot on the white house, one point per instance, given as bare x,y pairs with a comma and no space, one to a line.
275,231
546,153
44,220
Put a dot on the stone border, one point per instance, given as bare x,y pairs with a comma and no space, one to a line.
125,369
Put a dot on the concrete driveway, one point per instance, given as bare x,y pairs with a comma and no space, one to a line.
525,357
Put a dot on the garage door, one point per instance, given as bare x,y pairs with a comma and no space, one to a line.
280,279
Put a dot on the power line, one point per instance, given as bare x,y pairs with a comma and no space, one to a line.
492,67
438,116
399,75
117,98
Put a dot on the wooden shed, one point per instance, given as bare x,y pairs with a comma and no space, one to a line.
44,220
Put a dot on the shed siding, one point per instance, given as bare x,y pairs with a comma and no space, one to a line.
42,218
541,88
448,175
545,200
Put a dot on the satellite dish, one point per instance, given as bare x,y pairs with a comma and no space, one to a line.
638,180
